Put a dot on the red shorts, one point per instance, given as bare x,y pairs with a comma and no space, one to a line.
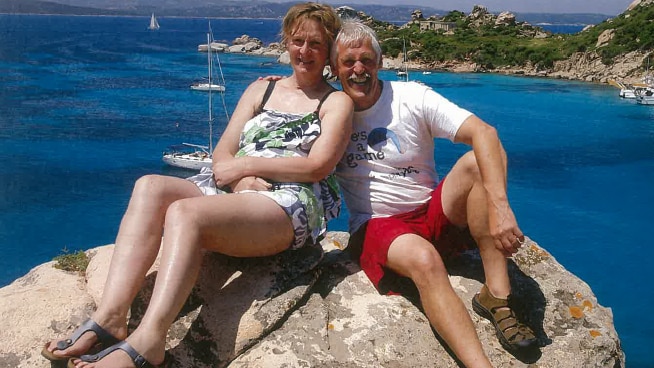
428,221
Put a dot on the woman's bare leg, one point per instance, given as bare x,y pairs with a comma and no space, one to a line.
244,225
137,245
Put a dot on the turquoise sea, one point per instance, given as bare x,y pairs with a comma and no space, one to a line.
88,104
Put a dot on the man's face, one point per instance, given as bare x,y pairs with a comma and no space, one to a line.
357,69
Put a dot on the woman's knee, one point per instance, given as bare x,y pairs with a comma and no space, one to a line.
182,213
148,186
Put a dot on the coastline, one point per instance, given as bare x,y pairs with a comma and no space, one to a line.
581,67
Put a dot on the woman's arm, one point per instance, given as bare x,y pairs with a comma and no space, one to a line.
336,127
250,100
228,144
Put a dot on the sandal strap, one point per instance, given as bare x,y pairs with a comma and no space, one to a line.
138,359
509,329
103,336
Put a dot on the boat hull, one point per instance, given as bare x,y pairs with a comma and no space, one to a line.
208,87
190,161
645,96
627,93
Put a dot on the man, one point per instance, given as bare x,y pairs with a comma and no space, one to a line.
400,210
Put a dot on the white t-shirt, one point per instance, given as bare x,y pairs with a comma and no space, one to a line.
388,167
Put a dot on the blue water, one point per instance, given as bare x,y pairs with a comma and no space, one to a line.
88,104
562,28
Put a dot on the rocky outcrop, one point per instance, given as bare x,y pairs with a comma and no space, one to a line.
505,19
315,308
635,3
588,67
480,16
246,45
605,37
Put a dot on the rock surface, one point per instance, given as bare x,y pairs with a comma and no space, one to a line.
315,308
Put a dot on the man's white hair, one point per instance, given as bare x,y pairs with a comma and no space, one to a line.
353,32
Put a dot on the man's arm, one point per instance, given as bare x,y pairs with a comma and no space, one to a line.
491,159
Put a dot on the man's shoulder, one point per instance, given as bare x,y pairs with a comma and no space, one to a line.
412,88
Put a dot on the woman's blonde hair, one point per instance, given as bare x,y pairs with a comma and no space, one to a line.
322,13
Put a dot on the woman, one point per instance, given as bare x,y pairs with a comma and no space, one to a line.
270,169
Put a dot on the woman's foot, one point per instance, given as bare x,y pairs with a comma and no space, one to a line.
88,337
133,352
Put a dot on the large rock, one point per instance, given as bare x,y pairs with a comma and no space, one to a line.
505,19
303,309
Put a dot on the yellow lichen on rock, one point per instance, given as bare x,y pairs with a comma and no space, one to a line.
576,312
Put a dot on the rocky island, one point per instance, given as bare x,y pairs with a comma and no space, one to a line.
315,308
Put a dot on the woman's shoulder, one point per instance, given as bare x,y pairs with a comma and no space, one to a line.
258,86
337,103
338,96
339,100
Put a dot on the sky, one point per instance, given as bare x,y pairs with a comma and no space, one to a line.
607,7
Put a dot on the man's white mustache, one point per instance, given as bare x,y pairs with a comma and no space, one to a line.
364,75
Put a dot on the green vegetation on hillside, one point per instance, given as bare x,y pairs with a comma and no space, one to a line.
520,44
633,31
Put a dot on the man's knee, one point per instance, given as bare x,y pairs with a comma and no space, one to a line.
420,263
470,165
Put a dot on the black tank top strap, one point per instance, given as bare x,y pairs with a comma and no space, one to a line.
266,96
323,99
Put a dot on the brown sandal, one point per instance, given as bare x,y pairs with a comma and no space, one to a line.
513,334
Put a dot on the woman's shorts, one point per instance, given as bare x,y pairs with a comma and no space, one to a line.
287,196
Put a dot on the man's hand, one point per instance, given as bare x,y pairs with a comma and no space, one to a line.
271,78
504,229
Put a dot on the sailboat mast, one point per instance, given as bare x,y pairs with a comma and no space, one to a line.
209,60
406,66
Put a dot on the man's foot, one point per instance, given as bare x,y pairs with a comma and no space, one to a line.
513,335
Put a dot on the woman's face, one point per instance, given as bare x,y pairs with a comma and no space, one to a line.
308,47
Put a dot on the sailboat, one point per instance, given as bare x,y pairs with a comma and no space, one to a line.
195,156
154,25
645,94
404,73
209,85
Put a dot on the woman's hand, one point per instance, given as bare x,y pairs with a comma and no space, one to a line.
227,171
250,183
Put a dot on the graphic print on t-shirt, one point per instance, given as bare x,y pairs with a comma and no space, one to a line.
382,135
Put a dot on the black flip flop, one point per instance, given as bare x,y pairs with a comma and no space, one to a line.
104,339
138,360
